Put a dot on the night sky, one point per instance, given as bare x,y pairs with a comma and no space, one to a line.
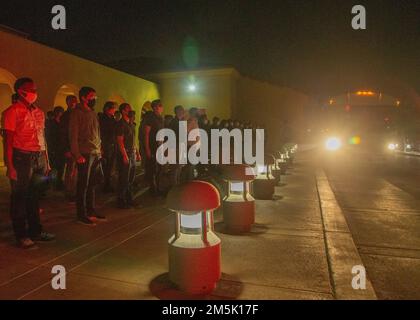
308,45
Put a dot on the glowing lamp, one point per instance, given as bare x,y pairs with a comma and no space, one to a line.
365,93
262,169
356,140
281,162
238,205
275,169
192,87
264,184
333,144
194,249
392,146
290,149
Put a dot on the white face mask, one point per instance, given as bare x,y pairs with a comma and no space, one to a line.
30,97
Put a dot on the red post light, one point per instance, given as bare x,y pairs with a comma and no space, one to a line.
238,205
194,249
264,184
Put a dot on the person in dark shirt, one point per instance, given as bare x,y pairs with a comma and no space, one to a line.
48,120
132,117
224,124
70,176
118,116
176,171
179,112
127,156
203,123
153,122
55,149
85,145
108,124
144,114
216,123
167,120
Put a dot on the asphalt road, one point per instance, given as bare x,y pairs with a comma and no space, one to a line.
380,197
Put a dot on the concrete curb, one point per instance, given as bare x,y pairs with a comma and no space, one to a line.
342,253
411,154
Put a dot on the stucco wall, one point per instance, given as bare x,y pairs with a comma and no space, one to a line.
273,107
227,94
213,90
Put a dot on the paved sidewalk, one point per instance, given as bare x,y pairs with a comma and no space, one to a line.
288,255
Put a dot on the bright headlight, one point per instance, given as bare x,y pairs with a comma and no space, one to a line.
392,146
333,144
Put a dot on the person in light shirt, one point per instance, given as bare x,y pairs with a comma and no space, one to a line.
26,156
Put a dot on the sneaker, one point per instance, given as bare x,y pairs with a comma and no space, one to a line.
44,237
94,216
99,217
86,221
26,243
93,219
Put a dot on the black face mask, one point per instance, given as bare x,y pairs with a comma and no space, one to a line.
91,103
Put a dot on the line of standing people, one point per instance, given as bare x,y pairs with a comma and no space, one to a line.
80,147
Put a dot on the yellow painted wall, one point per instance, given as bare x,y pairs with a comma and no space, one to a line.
214,90
227,94
52,69
270,105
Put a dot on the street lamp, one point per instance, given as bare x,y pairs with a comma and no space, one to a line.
192,87
290,149
275,169
264,184
292,152
238,205
194,249
287,157
281,162
392,146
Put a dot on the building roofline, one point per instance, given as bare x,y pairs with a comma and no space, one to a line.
16,34
13,31
200,72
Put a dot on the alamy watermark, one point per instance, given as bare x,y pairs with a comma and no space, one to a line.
58,282
193,147
58,21
359,279
359,20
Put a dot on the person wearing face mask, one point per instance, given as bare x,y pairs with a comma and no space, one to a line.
27,163
176,169
85,145
127,156
55,150
108,124
71,169
152,123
